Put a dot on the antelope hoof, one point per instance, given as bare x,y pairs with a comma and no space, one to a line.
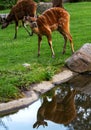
31,34
15,37
63,52
53,56
38,55
73,52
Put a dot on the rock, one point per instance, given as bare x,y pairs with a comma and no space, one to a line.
43,6
63,77
43,87
80,61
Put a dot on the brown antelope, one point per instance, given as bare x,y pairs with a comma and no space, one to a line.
61,112
53,19
17,13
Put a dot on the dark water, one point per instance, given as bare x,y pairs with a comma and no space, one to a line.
66,107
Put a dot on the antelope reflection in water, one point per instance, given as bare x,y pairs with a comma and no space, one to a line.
61,112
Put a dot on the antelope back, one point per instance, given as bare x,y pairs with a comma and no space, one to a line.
53,16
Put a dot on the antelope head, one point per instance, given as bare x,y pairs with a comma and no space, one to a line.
31,21
5,23
38,123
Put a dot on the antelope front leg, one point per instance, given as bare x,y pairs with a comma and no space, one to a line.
30,33
39,44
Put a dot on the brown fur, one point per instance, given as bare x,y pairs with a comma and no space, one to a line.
53,19
18,11
62,112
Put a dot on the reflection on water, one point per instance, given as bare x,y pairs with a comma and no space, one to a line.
66,107
59,110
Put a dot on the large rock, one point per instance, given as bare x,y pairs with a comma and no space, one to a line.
80,61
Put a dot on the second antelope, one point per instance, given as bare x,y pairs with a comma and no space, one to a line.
19,10
53,19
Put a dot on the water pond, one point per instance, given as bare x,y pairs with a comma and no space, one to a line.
65,107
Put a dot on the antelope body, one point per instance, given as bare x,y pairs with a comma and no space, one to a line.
53,19
17,13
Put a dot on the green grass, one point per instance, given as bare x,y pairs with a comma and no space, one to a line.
14,77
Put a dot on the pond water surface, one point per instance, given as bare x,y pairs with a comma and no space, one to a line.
65,107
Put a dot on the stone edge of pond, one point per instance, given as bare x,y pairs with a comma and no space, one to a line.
35,92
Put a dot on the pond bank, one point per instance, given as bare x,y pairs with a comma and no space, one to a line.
35,91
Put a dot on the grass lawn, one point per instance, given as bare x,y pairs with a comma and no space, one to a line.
14,77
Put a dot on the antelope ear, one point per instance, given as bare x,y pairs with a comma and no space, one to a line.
35,125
